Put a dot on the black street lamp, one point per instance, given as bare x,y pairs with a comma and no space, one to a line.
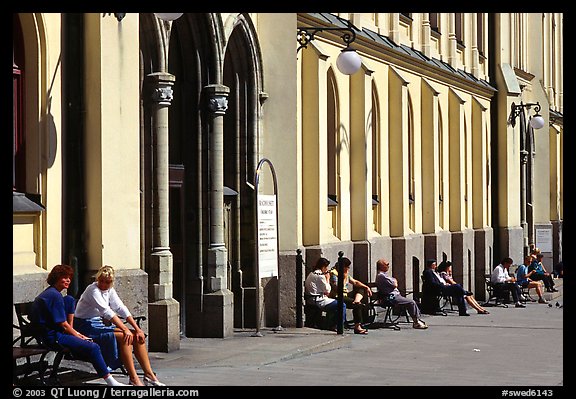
526,165
348,62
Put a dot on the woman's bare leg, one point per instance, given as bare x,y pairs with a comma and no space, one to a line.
538,286
126,358
141,354
472,301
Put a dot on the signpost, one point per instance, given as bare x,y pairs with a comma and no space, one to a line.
266,226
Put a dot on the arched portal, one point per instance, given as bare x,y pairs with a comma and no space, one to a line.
241,125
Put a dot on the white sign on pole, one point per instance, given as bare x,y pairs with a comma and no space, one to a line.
267,236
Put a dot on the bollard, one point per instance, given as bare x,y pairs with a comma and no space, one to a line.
299,288
340,318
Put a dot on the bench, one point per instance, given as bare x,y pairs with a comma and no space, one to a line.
316,317
392,313
35,354
495,297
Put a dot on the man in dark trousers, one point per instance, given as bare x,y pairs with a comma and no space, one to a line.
434,284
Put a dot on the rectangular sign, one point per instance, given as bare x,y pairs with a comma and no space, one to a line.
267,236
544,239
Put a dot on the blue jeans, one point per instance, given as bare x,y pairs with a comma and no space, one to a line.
332,307
84,350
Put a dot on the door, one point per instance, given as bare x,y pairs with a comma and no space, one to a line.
177,239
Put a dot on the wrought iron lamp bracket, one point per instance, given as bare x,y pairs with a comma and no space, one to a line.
306,34
516,109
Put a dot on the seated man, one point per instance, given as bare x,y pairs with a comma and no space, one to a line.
502,281
523,278
433,283
388,285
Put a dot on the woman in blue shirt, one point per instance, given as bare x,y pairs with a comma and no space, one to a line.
540,273
53,313
523,278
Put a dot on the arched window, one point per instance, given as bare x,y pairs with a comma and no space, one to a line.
411,166
19,136
376,196
440,161
332,139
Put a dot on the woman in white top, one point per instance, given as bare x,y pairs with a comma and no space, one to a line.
317,286
98,312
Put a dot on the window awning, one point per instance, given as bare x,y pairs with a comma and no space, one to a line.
25,202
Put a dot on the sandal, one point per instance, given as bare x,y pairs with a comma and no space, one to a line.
363,332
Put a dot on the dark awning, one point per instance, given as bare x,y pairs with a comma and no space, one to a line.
25,202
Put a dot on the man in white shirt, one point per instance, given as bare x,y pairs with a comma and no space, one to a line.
502,281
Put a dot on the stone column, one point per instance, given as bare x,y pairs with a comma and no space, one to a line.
163,309
218,302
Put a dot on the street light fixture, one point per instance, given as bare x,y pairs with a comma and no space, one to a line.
526,166
537,121
348,62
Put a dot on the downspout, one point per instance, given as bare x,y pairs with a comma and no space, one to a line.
492,71
73,93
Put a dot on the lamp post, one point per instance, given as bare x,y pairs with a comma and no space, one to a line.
526,165
348,62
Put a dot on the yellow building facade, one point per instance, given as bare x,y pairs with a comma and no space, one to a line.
136,142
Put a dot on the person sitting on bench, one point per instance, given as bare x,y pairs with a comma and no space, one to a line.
524,280
541,274
445,271
502,281
432,282
352,299
51,312
317,289
388,285
97,314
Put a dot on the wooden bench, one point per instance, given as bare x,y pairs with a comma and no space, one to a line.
495,297
392,315
35,354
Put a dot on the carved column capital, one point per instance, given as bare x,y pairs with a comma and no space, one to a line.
217,98
160,88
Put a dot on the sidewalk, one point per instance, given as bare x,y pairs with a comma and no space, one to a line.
465,344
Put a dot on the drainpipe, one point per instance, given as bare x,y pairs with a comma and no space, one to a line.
73,92
492,70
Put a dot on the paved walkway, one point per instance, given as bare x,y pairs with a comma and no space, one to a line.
509,347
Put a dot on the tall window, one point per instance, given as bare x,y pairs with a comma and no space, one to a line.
434,17
332,139
459,27
411,167
480,32
333,146
440,168
376,199
19,137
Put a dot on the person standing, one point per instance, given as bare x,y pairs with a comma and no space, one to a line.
51,312
502,281
388,285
